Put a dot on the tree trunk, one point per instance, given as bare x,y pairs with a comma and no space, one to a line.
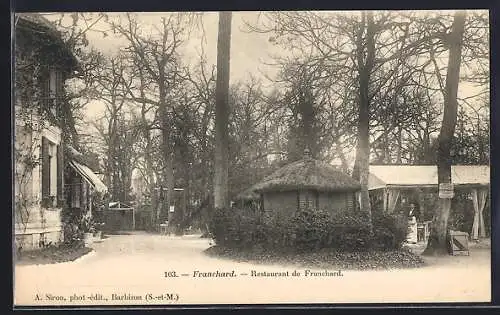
169,174
148,155
437,244
306,110
166,146
399,160
365,68
221,190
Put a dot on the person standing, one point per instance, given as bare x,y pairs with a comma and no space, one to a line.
412,225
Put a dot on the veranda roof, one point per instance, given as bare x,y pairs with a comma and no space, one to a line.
425,175
89,176
307,173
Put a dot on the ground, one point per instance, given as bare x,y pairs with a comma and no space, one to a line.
53,254
137,264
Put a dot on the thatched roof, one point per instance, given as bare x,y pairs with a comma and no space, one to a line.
248,194
306,173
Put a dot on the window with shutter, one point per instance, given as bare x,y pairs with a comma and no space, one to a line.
53,169
50,174
59,92
45,171
52,83
45,84
350,202
52,86
308,200
302,200
60,176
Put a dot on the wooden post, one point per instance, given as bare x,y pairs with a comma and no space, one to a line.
475,224
385,194
133,219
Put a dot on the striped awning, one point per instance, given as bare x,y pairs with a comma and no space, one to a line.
89,176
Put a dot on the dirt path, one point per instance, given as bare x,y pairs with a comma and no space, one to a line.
136,265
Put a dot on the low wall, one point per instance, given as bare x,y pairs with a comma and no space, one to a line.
38,226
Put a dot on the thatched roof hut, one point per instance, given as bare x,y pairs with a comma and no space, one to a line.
307,174
307,183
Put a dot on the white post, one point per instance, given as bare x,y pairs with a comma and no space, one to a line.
475,224
482,196
133,218
385,196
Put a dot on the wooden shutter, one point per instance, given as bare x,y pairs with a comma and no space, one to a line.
59,83
60,175
59,93
45,168
350,202
45,77
303,205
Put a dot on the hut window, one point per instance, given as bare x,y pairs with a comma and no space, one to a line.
302,201
308,200
350,202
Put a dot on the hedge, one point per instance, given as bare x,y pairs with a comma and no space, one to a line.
306,230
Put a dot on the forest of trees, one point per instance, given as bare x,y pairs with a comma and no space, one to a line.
355,88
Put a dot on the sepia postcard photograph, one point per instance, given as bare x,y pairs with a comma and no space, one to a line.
251,157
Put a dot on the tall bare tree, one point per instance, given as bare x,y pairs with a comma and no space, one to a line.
365,55
438,238
221,189
158,56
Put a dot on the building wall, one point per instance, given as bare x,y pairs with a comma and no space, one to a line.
336,202
33,223
285,203
38,224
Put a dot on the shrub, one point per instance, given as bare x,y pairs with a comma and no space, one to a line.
233,227
306,230
389,231
272,232
349,231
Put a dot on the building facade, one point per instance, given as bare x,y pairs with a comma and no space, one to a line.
42,65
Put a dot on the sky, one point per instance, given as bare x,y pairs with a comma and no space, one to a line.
249,51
